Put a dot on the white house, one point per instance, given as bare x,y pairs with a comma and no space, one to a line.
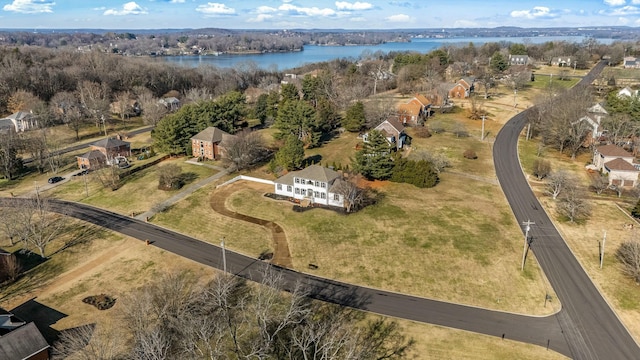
617,163
627,92
20,120
314,184
594,119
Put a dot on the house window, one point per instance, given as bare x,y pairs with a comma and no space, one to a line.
323,195
297,181
297,191
323,185
318,183
336,197
310,192
316,194
279,186
288,188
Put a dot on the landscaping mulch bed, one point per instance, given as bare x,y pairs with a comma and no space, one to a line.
101,302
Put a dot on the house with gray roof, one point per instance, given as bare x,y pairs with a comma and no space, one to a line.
21,121
315,184
20,340
208,143
108,151
617,163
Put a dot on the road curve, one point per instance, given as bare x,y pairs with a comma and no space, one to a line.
542,331
590,327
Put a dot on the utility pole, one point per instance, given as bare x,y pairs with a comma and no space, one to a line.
482,135
86,187
35,183
528,224
604,238
224,256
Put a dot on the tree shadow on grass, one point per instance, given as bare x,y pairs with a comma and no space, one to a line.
42,315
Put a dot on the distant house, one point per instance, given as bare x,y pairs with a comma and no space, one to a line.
109,151
130,108
594,119
315,184
627,92
462,89
617,163
410,112
20,340
630,62
561,61
20,121
208,144
519,59
393,131
171,103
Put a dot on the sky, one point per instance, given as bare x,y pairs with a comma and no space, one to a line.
314,14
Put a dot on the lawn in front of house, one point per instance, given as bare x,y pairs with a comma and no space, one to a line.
138,193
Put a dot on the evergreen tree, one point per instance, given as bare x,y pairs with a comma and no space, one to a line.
297,118
327,118
498,63
289,92
418,173
374,161
291,155
355,119
261,109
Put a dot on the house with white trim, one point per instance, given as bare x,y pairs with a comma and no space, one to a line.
21,121
617,163
315,184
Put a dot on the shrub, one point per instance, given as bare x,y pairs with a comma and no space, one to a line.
470,154
422,132
418,173
541,168
101,302
635,212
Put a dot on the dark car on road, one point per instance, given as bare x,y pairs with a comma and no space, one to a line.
55,179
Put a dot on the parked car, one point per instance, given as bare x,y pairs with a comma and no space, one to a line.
82,173
55,179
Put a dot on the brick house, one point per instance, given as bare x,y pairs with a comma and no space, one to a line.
410,112
208,144
462,89
104,152
617,163
314,183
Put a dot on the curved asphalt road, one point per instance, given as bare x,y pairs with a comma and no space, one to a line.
591,328
586,327
543,331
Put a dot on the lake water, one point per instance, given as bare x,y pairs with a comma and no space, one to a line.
314,54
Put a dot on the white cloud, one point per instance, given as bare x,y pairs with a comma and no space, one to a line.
260,18
615,2
535,13
306,11
465,24
30,6
357,19
623,11
399,18
177,1
215,9
130,8
623,21
343,5
265,9
101,8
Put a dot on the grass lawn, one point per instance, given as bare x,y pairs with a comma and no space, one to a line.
583,239
138,194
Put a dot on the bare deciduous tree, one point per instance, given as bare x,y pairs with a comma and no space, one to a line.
95,99
629,255
89,342
355,197
39,225
439,160
541,168
573,205
10,267
599,183
244,149
557,182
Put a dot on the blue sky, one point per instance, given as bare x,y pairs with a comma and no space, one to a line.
324,14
